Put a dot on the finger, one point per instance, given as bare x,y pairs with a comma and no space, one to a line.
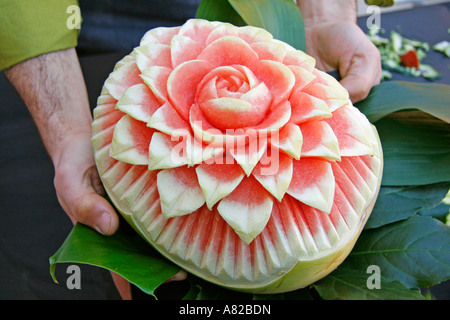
363,72
179,276
93,210
122,285
357,86
83,204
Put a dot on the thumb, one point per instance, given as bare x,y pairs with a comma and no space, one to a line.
363,72
83,204
358,86
96,212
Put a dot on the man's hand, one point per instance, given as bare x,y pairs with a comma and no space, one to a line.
52,86
337,43
79,188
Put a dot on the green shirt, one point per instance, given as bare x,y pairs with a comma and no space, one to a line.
29,28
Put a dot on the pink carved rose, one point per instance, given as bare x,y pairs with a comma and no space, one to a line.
233,120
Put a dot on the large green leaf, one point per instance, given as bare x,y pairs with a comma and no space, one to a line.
219,10
399,203
124,253
415,251
391,96
440,212
282,18
416,148
346,283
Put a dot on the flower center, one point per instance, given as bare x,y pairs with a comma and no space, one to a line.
232,97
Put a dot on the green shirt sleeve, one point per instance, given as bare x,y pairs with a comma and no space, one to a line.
29,28
380,3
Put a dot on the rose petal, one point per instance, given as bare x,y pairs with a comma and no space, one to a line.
184,49
153,54
179,191
276,117
306,108
204,131
229,50
313,183
156,78
300,59
131,141
247,209
253,34
208,87
278,78
161,35
127,75
218,180
182,84
197,29
224,29
166,153
230,113
249,154
167,120
209,134
199,153
269,50
353,139
259,97
139,102
274,172
328,80
328,89
180,148
302,77
248,75
289,140
123,61
319,140
330,95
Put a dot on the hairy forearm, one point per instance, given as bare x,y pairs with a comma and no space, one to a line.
314,11
53,88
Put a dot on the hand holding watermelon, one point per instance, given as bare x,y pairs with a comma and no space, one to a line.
335,40
53,89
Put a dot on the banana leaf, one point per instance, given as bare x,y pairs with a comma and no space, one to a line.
265,14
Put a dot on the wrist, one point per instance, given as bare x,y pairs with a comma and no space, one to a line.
326,11
69,144
53,89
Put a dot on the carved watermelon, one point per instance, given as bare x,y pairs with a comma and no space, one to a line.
234,157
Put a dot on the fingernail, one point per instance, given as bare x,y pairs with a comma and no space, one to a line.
103,223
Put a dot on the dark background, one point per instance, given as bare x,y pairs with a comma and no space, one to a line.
32,224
